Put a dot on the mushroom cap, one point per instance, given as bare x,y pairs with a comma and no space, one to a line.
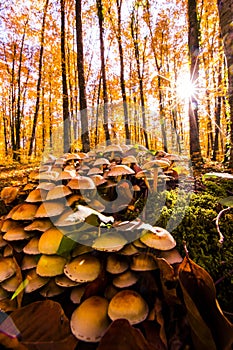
116,264
158,238
39,225
80,249
109,242
143,262
113,148
98,179
29,262
37,195
51,289
84,268
64,281
49,209
16,234
120,169
129,159
174,157
25,211
50,265
59,191
48,175
9,224
50,241
3,294
156,163
81,183
101,161
34,281
128,249
97,205
7,268
75,198
130,305
67,218
66,174
32,246
125,280
72,156
46,186
11,284
9,194
94,171
90,320
3,243
171,256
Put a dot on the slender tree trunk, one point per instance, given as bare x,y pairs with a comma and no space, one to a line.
158,67
122,72
193,43
65,97
217,114
18,109
134,33
225,9
43,119
50,114
38,87
103,71
81,79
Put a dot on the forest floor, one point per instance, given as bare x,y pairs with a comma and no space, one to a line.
15,174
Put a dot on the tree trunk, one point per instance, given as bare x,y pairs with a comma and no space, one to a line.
16,155
225,9
38,87
65,98
103,71
134,33
193,43
122,73
81,79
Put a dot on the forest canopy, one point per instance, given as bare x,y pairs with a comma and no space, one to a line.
91,71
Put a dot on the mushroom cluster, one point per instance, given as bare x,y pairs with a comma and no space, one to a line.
71,236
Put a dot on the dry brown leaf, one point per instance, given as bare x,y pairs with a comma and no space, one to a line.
211,328
122,336
43,325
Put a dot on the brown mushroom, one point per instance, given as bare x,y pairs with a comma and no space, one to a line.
130,305
90,320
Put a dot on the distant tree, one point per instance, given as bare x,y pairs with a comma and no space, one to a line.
225,9
118,30
134,25
193,43
99,6
81,79
65,98
38,86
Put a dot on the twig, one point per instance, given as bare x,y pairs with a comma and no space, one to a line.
221,237
223,277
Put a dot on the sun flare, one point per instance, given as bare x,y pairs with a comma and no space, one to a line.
185,88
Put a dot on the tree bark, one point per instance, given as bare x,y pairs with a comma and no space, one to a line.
38,87
193,43
99,6
65,98
81,79
134,33
122,72
225,9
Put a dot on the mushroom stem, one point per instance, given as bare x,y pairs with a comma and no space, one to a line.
155,180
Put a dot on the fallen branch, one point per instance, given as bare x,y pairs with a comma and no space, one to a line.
221,237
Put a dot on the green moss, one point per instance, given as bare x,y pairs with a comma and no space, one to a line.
195,215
